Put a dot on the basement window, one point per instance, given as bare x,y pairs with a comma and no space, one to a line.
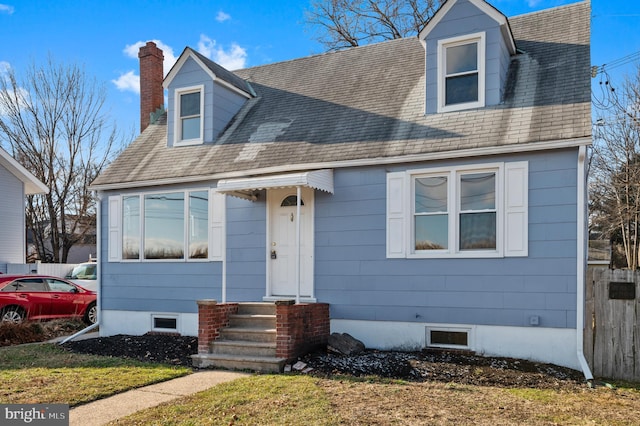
454,338
164,323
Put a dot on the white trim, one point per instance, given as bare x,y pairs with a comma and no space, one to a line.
468,330
155,316
177,121
309,204
480,40
541,344
491,11
32,185
453,211
215,204
137,323
187,53
402,159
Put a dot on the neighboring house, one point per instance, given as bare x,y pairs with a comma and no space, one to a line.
430,190
82,251
16,183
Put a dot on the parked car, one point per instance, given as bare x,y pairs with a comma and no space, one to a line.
84,274
42,297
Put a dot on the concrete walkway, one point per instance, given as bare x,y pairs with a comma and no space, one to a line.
106,410
109,409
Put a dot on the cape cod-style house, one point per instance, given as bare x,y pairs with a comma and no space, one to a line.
421,192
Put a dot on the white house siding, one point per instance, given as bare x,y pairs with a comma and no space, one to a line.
12,218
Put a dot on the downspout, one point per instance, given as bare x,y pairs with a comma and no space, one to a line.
298,195
581,260
98,273
224,251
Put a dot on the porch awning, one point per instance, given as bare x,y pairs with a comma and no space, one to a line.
246,187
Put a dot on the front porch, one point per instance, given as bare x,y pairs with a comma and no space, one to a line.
259,336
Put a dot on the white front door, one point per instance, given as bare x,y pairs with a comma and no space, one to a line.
282,246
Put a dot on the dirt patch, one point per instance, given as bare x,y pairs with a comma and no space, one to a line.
446,366
441,366
33,331
176,350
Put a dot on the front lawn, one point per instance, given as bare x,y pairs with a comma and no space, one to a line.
46,373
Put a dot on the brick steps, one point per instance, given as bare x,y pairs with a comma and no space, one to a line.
247,343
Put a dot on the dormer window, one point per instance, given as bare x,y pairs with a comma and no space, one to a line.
461,72
189,123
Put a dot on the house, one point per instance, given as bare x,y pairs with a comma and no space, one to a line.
16,183
430,190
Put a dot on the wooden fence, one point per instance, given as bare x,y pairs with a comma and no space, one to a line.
612,323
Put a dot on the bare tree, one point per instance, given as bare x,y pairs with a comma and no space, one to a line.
615,168
52,120
350,23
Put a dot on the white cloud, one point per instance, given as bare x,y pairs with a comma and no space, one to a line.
4,68
222,16
8,9
128,82
131,50
232,59
533,3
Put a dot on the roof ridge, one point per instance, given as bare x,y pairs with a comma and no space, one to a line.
574,4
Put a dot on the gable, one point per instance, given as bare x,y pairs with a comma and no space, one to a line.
220,101
31,184
468,21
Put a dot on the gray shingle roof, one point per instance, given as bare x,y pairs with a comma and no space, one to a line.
367,103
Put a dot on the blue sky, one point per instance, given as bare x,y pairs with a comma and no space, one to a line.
105,36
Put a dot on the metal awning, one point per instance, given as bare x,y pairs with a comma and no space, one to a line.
246,187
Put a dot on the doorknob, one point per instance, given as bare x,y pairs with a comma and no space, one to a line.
273,254
291,217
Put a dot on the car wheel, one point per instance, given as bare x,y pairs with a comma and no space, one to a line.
91,315
13,314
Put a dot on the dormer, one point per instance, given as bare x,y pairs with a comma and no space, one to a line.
203,97
468,49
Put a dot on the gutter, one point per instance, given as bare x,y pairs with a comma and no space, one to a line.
581,261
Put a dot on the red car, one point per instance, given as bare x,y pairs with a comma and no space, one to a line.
41,297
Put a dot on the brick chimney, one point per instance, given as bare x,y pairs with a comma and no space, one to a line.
151,76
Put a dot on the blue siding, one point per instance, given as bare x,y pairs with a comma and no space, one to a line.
246,241
12,218
360,283
220,103
352,272
464,18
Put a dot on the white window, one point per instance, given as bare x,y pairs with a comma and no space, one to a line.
172,225
461,74
189,107
458,212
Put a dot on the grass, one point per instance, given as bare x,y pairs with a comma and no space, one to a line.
256,400
46,373
295,400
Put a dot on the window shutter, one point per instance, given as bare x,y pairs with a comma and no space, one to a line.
396,234
114,220
516,228
217,240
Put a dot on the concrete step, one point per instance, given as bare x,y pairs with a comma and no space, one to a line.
252,321
239,347
256,308
249,334
233,362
